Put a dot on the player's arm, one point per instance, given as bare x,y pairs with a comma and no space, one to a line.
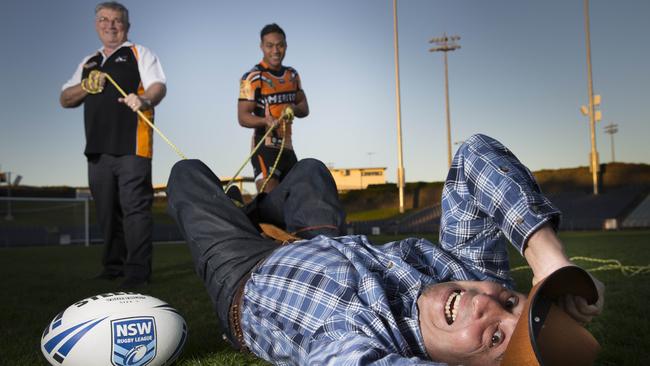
247,118
301,108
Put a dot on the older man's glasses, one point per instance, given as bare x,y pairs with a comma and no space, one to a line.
107,21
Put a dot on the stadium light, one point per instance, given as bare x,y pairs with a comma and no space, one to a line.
593,155
7,179
400,159
370,154
611,129
446,44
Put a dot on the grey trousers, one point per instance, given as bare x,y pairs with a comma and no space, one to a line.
123,194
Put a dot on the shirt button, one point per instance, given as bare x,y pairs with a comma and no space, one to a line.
504,168
519,220
389,265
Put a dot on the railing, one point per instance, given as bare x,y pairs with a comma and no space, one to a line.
426,220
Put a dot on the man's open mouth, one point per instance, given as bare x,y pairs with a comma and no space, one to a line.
451,307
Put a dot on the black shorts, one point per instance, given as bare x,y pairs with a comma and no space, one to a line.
264,159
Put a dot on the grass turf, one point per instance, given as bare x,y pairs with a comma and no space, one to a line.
38,282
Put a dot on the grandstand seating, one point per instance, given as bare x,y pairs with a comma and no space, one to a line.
640,216
580,211
585,211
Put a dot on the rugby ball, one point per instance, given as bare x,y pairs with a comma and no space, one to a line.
117,328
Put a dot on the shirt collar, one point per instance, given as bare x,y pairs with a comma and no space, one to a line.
125,44
273,72
415,316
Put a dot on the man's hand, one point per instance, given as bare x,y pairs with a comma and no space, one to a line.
288,114
94,83
268,118
135,102
545,254
578,308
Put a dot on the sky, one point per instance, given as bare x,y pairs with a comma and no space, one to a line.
520,76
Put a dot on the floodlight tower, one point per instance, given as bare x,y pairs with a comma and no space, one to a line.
611,129
446,44
592,117
400,159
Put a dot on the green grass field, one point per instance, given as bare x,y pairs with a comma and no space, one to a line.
39,282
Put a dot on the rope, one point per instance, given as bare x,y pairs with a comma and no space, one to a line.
147,119
605,265
286,115
277,159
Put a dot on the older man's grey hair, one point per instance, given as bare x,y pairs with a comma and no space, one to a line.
114,5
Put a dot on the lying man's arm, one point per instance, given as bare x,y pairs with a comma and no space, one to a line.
490,196
357,349
545,254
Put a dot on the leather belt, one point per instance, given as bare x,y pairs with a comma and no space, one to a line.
282,238
234,314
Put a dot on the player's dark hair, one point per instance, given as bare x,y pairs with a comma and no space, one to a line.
271,28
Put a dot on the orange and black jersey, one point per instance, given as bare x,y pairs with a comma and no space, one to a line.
275,89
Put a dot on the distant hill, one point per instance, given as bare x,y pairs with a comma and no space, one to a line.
552,181
613,175
423,194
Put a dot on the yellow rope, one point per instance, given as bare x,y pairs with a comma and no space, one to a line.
605,265
277,159
287,115
147,119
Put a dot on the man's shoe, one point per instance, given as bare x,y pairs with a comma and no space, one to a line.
133,283
105,276
235,195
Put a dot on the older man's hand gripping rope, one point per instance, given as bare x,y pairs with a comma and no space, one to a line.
98,74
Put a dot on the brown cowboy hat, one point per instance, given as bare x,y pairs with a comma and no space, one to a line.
545,335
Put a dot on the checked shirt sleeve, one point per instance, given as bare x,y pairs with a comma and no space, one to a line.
489,196
357,349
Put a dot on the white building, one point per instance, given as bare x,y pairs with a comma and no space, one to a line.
357,178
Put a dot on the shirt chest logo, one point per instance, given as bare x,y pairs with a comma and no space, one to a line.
121,59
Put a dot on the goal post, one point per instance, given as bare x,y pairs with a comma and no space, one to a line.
42,221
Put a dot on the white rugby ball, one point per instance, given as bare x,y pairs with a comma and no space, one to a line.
117,328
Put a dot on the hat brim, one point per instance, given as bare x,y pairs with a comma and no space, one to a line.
546,335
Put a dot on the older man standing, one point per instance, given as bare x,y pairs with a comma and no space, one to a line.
119,145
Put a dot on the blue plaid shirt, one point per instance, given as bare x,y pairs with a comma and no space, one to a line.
345,301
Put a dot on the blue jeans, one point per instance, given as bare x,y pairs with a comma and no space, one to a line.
225,242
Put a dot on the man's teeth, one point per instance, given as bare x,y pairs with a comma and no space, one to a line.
451,307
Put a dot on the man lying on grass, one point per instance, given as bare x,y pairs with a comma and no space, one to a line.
338,300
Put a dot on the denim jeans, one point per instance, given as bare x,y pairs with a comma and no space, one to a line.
225,242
